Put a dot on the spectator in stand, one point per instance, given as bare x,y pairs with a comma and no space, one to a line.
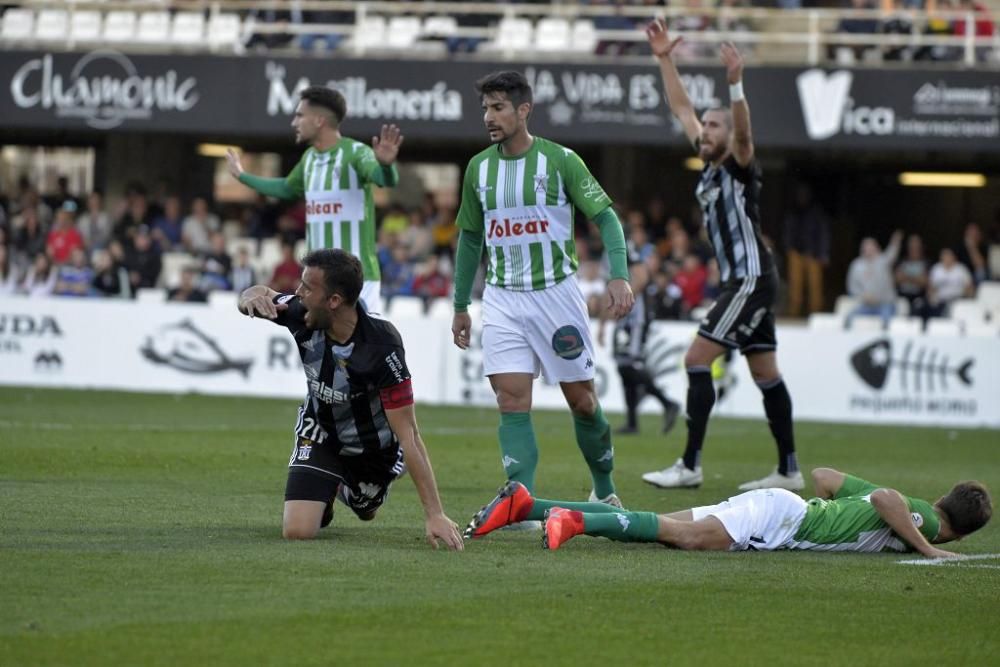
94,224
8,272
62,194
136,213
691,279
198,226
397,271
394,223
326,39
119,260
143,260
855,25
869,278
638,243
168,228
187,291
807,238
615,20
288,272
40,279
216,265
75,277
445,234
110,277
939,26
64,237
949,281
973,253
713,280
243,275
982,25
680,248
431,282
30,201
911,276
417,237
29,238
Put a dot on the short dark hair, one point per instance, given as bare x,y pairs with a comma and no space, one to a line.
967,507
328,98
342,273
511,83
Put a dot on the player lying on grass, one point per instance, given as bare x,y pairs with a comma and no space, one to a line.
357,421
848,514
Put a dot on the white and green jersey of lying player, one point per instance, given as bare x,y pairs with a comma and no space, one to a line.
525,206
340,211
849,522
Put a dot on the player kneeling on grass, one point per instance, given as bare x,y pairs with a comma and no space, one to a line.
848,514
357,424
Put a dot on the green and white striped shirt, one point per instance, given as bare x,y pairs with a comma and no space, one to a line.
525,204
340,211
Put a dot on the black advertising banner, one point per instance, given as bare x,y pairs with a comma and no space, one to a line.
792,107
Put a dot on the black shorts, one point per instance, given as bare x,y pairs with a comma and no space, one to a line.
743,316
361,482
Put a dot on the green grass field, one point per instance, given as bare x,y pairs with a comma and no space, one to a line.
145,530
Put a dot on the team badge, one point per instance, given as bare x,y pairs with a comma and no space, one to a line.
304,451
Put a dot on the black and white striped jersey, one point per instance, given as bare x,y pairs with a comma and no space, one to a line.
729,196
631,331
350,383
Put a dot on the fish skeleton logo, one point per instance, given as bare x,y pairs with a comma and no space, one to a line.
184,347
923,368
823,98
567,342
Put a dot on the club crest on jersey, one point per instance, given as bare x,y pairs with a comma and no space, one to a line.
541,183
483,189
567,342
305,450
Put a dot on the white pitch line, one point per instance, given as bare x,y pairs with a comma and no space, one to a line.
945,561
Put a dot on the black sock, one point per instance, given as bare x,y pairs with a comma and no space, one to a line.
652,389
632,395
700,399
778,408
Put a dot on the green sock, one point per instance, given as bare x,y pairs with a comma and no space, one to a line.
518,448
541,506
622,526
593,436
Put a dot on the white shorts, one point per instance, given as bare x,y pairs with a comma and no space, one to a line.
547,330
761,520
371,294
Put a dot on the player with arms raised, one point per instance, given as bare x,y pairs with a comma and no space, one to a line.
335,175
519,198
742,317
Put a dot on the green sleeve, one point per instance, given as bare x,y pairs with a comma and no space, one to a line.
470,250
854,486
930,524
296,180
271,187
470,212
614,242
584,190
371,170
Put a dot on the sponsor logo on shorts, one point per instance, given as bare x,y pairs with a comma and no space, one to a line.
567,342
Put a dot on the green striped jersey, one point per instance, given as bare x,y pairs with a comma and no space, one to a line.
525,205
340,211
849,522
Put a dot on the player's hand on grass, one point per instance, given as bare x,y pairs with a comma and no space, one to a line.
733,61
263,306
233,162
461,330
386,145
620,298
941,553
440,527
659,38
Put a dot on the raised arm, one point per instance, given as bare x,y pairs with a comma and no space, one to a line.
282,188
259,300
677,98
403,422
891,506
742,137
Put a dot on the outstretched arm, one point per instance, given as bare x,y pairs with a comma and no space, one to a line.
891,506
438,526
677,98
259,300
270,187
742,138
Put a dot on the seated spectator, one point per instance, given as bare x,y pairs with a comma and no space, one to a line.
869,278
197,228
949,281
242,275
898,23
982,25
187,291
314,41
638,243
417,237
64,237
75,277
973,253
911,276
393,224
143,260
614,19
691,280
94,224
29,238
445,234
854,25
430,281
40,279
168,226
288,272
136,213
8,272
397,271
216,265
939,26
110,276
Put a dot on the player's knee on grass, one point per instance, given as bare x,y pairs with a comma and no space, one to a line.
301,519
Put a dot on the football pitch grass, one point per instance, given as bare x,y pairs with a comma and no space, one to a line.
145,530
